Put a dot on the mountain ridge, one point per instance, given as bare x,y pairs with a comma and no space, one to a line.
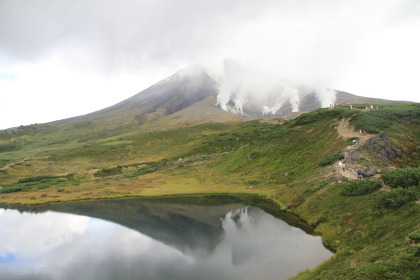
189,87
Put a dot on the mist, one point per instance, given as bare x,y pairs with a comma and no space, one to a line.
245,88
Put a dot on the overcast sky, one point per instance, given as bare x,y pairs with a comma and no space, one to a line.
60,59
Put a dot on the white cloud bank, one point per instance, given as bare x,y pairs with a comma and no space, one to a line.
67,58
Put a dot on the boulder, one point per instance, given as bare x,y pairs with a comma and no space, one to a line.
382,134
381,147
369,172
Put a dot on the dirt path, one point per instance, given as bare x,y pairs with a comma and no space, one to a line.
345,131
13,163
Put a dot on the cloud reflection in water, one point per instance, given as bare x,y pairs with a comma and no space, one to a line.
65,246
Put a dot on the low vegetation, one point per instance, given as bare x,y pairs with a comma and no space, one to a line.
31,184
361,187
385,117
329,159
9,147
108,172
396,197
404,177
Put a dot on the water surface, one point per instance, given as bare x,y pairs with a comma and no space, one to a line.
137,239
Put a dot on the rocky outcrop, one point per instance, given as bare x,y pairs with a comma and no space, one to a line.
352,157
381,147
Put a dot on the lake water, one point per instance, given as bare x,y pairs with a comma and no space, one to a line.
155,239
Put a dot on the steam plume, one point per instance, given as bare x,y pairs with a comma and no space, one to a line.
264,92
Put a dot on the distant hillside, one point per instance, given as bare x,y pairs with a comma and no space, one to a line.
348,98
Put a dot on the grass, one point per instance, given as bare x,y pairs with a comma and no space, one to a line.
286,163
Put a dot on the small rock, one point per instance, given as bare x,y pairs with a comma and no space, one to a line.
331,180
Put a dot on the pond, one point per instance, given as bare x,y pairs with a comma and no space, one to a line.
154,239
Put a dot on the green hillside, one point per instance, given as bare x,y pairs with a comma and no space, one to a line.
373,226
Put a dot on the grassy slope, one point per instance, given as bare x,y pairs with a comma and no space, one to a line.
280,161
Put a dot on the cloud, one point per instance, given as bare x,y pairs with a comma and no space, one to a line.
366,48
132,33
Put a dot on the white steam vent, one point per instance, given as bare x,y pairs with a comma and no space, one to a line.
241,88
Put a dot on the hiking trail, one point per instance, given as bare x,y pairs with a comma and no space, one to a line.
13,163
345,131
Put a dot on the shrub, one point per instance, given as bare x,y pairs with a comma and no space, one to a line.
396,197
12,188
404,177
319,114
415,236
108,172
9,147
329,159
361,187
37,179
417,252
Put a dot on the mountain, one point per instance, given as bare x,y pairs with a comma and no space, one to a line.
189,97
309,103
179,91
348,98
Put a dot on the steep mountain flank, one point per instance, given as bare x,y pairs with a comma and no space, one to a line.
184,88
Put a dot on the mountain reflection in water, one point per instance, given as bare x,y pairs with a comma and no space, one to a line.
133,239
